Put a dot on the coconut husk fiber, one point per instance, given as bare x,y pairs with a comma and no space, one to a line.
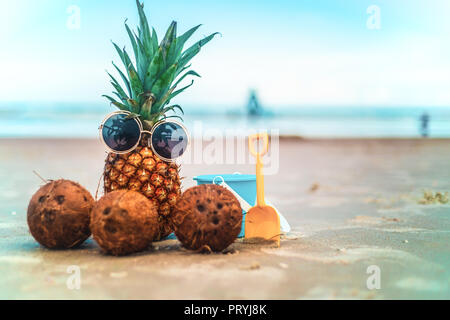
58,214
207,217
124,222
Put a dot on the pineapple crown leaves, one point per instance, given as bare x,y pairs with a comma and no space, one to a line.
151,82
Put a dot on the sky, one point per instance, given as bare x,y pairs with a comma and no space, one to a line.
293,52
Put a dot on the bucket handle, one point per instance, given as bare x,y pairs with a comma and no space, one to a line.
244,204
220,177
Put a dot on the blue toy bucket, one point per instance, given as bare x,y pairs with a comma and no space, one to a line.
243,184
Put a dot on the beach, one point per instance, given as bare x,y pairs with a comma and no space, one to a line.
351,203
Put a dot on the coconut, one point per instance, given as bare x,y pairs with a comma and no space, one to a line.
124,222
58,214
207,217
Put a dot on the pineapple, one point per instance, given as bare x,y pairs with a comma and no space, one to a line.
150,84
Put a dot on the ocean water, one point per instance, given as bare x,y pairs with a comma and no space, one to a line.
22,120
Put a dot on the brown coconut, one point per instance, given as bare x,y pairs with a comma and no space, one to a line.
208,217
58,214
124,222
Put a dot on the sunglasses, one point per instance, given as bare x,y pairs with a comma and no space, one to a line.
121,133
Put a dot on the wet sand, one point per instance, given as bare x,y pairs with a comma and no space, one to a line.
351,204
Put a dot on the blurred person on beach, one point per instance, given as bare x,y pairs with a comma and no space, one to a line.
254,107
424,120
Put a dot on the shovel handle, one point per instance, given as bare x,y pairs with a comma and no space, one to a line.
256,137
259,165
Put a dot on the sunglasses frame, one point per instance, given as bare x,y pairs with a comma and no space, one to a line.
141,131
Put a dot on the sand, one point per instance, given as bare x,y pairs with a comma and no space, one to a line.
352,204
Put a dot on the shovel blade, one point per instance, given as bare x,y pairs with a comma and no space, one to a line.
262,222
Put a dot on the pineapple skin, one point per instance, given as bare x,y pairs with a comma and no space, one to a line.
142,171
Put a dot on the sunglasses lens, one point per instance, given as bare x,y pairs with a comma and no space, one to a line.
121,133
169,140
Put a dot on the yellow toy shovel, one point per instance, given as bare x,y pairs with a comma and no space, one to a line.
262,221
